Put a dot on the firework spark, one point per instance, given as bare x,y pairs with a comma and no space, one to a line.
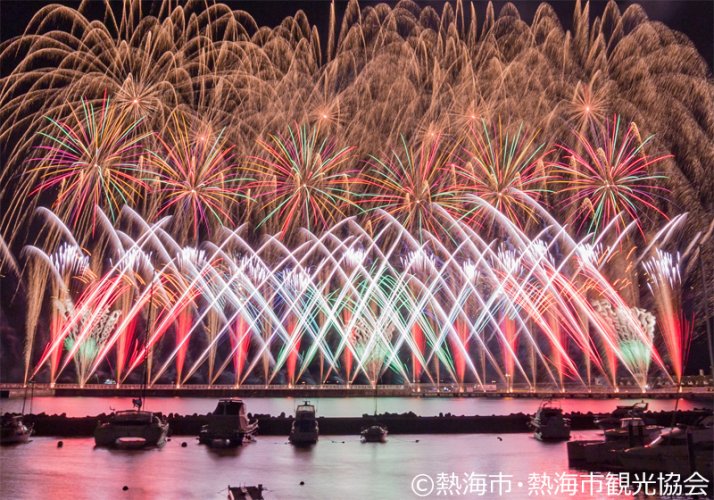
503,168
413,183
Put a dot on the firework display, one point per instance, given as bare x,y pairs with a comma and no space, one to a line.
428,197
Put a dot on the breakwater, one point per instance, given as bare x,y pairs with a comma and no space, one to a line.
404,423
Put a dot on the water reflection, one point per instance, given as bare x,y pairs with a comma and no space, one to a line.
336,467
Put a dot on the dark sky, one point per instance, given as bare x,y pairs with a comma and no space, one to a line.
695,18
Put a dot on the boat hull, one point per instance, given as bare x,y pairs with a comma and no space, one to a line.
552,435
131,430
15,438
131,437
300,438
594,453
14,431
374,435
220,439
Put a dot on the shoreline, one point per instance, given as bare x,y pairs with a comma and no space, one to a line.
404,423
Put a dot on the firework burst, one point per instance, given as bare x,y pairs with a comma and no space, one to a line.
588,106
196,178
92,159
504,169
412,184
302,180
613,176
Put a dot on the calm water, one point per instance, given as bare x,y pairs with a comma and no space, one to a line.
335,407
336,468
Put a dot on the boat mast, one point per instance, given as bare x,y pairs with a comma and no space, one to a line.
32,395
145,377
376,387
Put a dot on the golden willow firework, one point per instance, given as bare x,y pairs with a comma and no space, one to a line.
385,73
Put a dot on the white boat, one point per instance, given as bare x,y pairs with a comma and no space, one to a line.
131,429
228,425
374,434
676,450
549,424
633,429
14,431
304,430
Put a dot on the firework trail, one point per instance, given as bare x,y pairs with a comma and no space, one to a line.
665,283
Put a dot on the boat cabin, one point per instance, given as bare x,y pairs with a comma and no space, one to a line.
628,410
631,422
132,417
230,407
305,411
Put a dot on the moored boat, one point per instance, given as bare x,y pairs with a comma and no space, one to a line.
681,450
633,429
603,453
14,430
131,429
305,430
228,425
549,424
374,434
